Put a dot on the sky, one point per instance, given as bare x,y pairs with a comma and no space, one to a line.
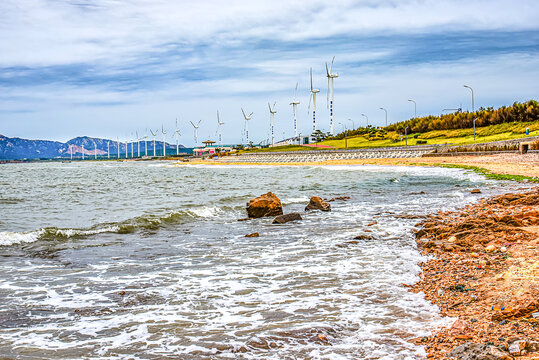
110,68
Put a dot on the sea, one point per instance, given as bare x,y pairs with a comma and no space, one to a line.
147,260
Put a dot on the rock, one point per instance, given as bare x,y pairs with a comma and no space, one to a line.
264,205
252,235
517,347
372,223
363,237
476,191
460,327
452,239
281,219
317,203
490,248
473,351
341,198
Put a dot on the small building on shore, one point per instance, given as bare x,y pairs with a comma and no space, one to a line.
210,149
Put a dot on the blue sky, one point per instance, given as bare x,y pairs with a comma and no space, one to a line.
108,68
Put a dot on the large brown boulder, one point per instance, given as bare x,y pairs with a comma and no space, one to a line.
317,203
281,219
264,205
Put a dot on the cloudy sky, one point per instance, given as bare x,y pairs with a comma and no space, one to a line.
108,68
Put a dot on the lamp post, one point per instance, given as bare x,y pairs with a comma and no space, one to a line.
469,87
366,117
386,114
406,136
415,108
353,124
474,129
345,139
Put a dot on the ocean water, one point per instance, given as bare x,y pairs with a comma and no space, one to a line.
146,260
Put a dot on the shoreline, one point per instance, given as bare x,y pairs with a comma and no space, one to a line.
484,272
483,268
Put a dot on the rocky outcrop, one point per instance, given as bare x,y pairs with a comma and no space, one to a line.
317,203
472,351
281,219
264,205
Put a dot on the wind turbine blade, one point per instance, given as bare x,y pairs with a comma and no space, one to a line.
243,112
331,67
309,107
218,116
275,103
296,91
251,114
311,79
199,121
269,107
192,123
327,70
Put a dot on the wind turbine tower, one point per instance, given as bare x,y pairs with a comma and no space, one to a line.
247,118
164,147
295,104
272,121
313,97
219,123
118,140
330,77
95,150
138,144
154,135
177,134
82,151
108,150
195,127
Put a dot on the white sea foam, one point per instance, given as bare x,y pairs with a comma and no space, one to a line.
11,238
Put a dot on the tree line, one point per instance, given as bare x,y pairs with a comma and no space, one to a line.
518,112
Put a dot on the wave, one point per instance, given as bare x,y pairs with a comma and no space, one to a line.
144,222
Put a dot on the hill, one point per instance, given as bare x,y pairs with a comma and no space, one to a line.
18,149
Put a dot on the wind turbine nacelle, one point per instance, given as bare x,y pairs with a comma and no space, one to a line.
315,90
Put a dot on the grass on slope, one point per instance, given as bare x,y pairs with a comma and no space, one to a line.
506,131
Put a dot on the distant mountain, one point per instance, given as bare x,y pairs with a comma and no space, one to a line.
17,148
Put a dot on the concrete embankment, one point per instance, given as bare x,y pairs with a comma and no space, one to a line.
328,155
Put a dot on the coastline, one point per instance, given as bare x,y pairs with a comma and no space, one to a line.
483,268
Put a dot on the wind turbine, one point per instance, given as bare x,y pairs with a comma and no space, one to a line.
219,123
313,97
71,151
247,118
82,151
108,150
145,145
132,144
118,140
272,121
164,147
294,104
196,130
95,150
154,135
177,134
138,144
126,149
330,77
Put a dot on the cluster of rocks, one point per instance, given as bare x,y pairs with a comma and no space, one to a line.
485,273
269,205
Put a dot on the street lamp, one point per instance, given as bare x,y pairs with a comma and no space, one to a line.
345,139
474,129
406,136
353,124
386,114
415,108
366,117
469,87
